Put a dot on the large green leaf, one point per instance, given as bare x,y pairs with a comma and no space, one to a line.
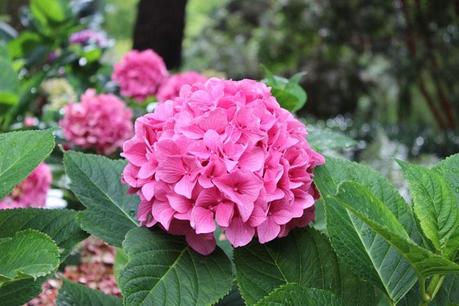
28,254
72,294
96,181
294,295
304,257
449,169
20,153
163,270
363,204
60,225
435,206
19,292
366,252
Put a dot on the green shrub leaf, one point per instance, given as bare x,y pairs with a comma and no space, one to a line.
60,225
96,181
304,257
435,206
324,139
163,270
288,93
19,292
28,254
363,204
361,248
72,294
294,294
21,152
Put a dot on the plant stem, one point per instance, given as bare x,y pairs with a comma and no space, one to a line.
434,285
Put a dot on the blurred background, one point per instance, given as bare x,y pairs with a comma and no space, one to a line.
383,72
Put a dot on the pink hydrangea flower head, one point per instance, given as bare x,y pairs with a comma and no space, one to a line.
88,36
99,122
31,192
171,86
139,74
222,154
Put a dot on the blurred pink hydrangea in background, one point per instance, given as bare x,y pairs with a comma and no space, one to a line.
171,86
139,74
31,192
222,153
89,36
100,122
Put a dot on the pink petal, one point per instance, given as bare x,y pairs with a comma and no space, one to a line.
148,190
147,170
163,213
252,160
204,244
267,231
185,186
202,220
224,213
239,233
170,171
179,203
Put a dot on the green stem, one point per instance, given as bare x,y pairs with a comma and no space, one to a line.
429,294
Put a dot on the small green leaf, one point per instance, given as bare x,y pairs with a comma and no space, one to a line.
324,139
96,181
60,225
9,86
28,254
434,205
362,249
363,204
21,152
304,257
288,93
163,270
294,295
72,294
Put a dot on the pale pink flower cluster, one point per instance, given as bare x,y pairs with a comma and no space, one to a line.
100,122
171,86
139,74
223,153
31,192
88,36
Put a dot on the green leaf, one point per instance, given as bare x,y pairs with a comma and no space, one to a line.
72,294
121,259
288,93
294,295
28,254
363,204
449,170
367,253
60,225
324,139
304,257
434,205
19,292
8,82
449,291
49,14
96,181
163,270
21,152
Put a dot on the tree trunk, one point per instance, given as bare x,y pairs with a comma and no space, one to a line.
159,26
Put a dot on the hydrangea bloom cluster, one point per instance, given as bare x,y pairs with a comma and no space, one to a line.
139,74
100,122
31,192
222,153
89,36
171,86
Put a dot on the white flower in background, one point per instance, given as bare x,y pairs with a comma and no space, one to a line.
59,92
